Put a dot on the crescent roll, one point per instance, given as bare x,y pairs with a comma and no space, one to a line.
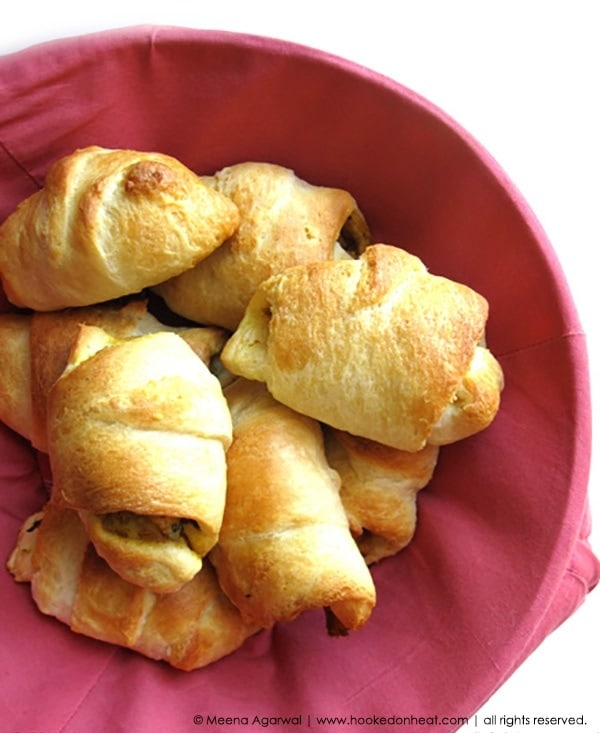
379,490
36,349
109,223
189,629
137,433
285,544
284,221
378,347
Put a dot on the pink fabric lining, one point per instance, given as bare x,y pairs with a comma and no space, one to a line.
500,557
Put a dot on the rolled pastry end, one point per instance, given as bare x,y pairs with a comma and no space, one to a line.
475,403
20,562
189,629
151,552
348,615
379,490
302,569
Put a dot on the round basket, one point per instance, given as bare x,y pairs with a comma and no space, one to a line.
500,526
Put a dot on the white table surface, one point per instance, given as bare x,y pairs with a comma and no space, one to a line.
523,78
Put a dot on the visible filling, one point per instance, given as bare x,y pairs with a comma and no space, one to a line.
354,236
151,528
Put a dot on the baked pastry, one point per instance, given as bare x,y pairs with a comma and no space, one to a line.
285,544
137,433
189,629
284,221
379,488
377,347
15,374
36,348
109,223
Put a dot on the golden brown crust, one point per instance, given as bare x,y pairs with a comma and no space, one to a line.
285,544
377,347
197,625
52,336
284,221
475,402
188,629
16,409
36,349
379,490
109,223
140,426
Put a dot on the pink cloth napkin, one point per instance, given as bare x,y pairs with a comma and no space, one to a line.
500,557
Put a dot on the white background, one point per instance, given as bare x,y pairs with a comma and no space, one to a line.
523,77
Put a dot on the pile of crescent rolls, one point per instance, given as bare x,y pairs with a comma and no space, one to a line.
239,393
